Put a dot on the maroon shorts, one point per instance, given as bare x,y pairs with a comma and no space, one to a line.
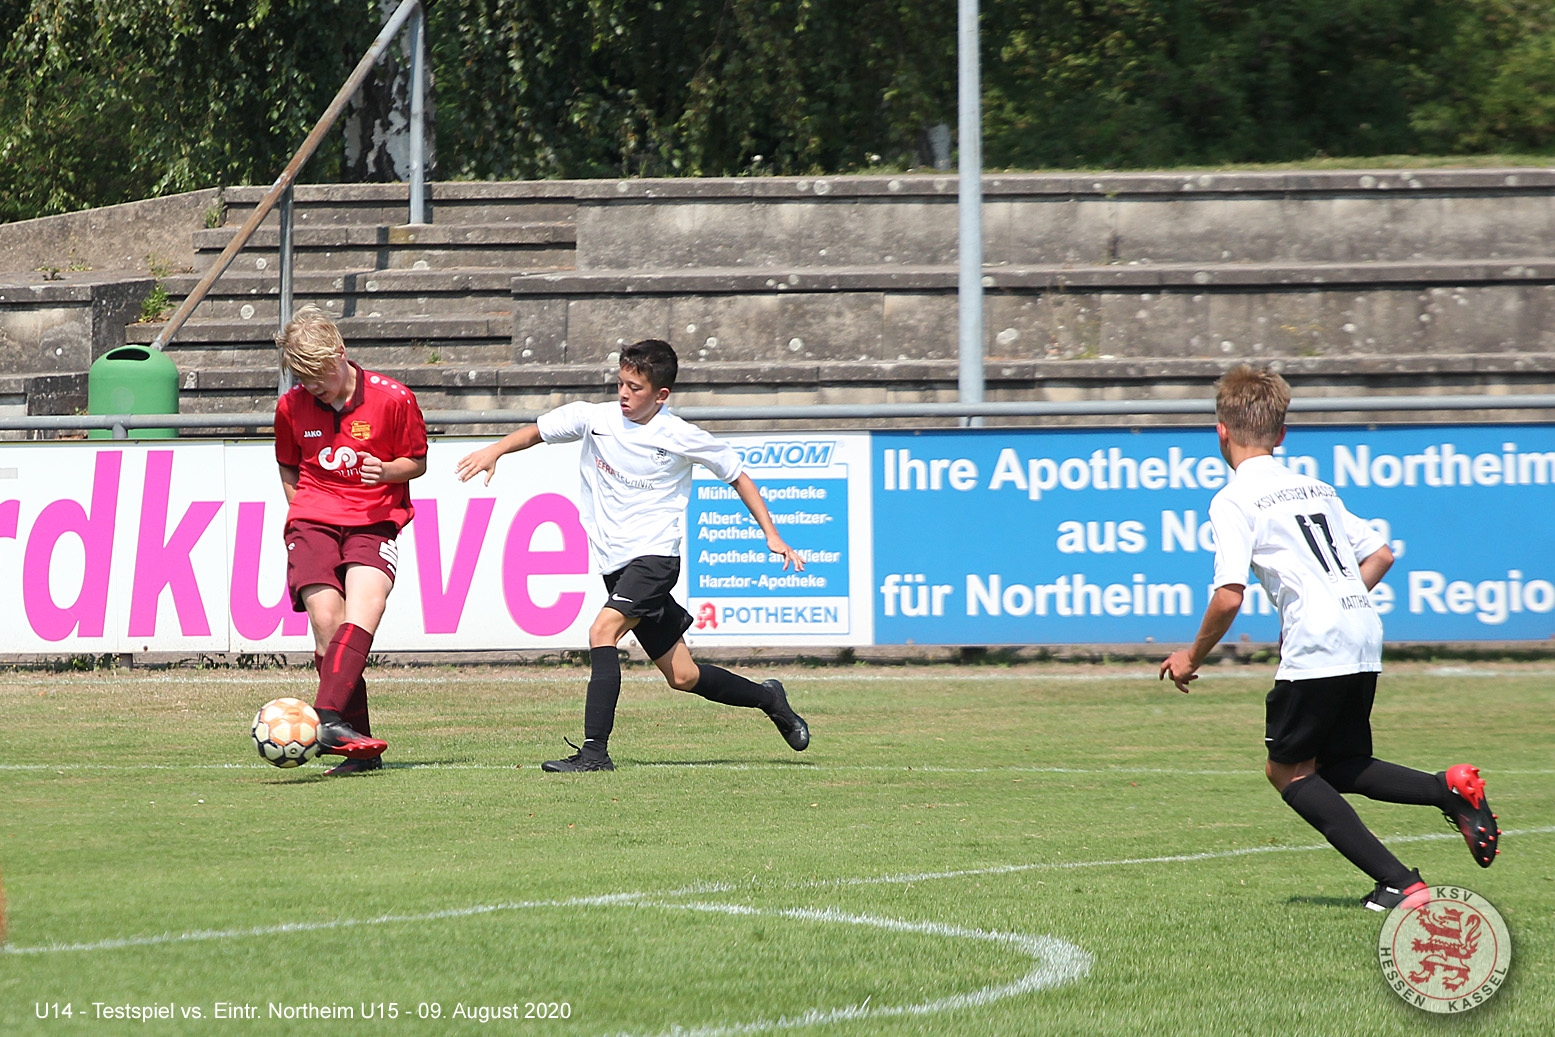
319,553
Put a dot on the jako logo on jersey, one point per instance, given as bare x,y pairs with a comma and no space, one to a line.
389,551
313,433
361,430
332,460
804,453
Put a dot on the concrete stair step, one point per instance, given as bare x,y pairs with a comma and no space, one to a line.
202,345
1005,277
1341,216
483,202
542,386
1059,312
526,245
255,294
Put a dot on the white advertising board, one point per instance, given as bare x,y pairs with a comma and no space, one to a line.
172,547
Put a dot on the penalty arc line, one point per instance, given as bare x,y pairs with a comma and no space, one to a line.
1058,963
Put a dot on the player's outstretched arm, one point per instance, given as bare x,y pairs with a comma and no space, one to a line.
1376,565
399,469
485,459
758,509
1182,665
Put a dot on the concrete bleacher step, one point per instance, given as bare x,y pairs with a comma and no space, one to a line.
255,295
1338,216
1052,311
481,202
519,246
375,342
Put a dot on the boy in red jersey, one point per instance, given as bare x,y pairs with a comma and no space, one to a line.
348,442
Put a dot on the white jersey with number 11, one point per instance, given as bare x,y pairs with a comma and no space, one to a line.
1305,548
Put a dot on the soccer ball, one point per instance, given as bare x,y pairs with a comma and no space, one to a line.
286,732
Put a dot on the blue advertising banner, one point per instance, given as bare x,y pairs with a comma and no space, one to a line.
1048,537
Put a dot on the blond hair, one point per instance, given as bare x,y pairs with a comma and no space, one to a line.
1251,403
310,343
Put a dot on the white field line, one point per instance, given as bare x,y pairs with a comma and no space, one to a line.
581,677
788,768
200,935
638,898
1181,858
908,676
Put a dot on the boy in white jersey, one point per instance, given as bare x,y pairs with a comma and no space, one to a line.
1318,563
636,479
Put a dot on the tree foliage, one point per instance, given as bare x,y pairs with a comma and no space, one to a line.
107,101
686,87
111,100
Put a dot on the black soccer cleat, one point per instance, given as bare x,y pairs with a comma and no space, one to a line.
341,739
585,759
789,724
1468,811
1385,897
350,766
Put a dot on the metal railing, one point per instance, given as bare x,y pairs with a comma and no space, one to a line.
123,424
280,192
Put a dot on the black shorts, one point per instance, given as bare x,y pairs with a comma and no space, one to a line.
641,590
1328,719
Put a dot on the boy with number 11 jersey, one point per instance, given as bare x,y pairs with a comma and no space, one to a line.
1318,564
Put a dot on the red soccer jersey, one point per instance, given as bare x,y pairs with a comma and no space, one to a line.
381,419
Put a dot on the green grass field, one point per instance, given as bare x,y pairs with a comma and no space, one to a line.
1044,849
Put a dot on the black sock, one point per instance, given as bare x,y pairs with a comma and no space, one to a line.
1383,781
1324,809
599,709
719,685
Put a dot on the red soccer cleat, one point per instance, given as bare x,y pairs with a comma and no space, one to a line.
1468,811
341,739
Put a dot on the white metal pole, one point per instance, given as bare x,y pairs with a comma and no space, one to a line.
285,261
418,134
970,237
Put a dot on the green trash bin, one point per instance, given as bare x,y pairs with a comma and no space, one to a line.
132,380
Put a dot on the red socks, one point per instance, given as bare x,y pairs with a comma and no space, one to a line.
341,687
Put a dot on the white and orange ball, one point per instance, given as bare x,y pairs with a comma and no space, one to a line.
286,732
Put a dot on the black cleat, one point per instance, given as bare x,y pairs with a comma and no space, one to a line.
341,739
585,759
789,724
358,765
1468,811
1386,898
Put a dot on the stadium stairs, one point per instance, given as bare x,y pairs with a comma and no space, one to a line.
843,289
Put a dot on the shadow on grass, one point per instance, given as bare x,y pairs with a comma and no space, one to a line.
310,776
1348,903
722,763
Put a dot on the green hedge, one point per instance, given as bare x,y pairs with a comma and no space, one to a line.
109,101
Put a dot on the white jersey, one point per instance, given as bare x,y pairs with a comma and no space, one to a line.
636,478
1305,548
